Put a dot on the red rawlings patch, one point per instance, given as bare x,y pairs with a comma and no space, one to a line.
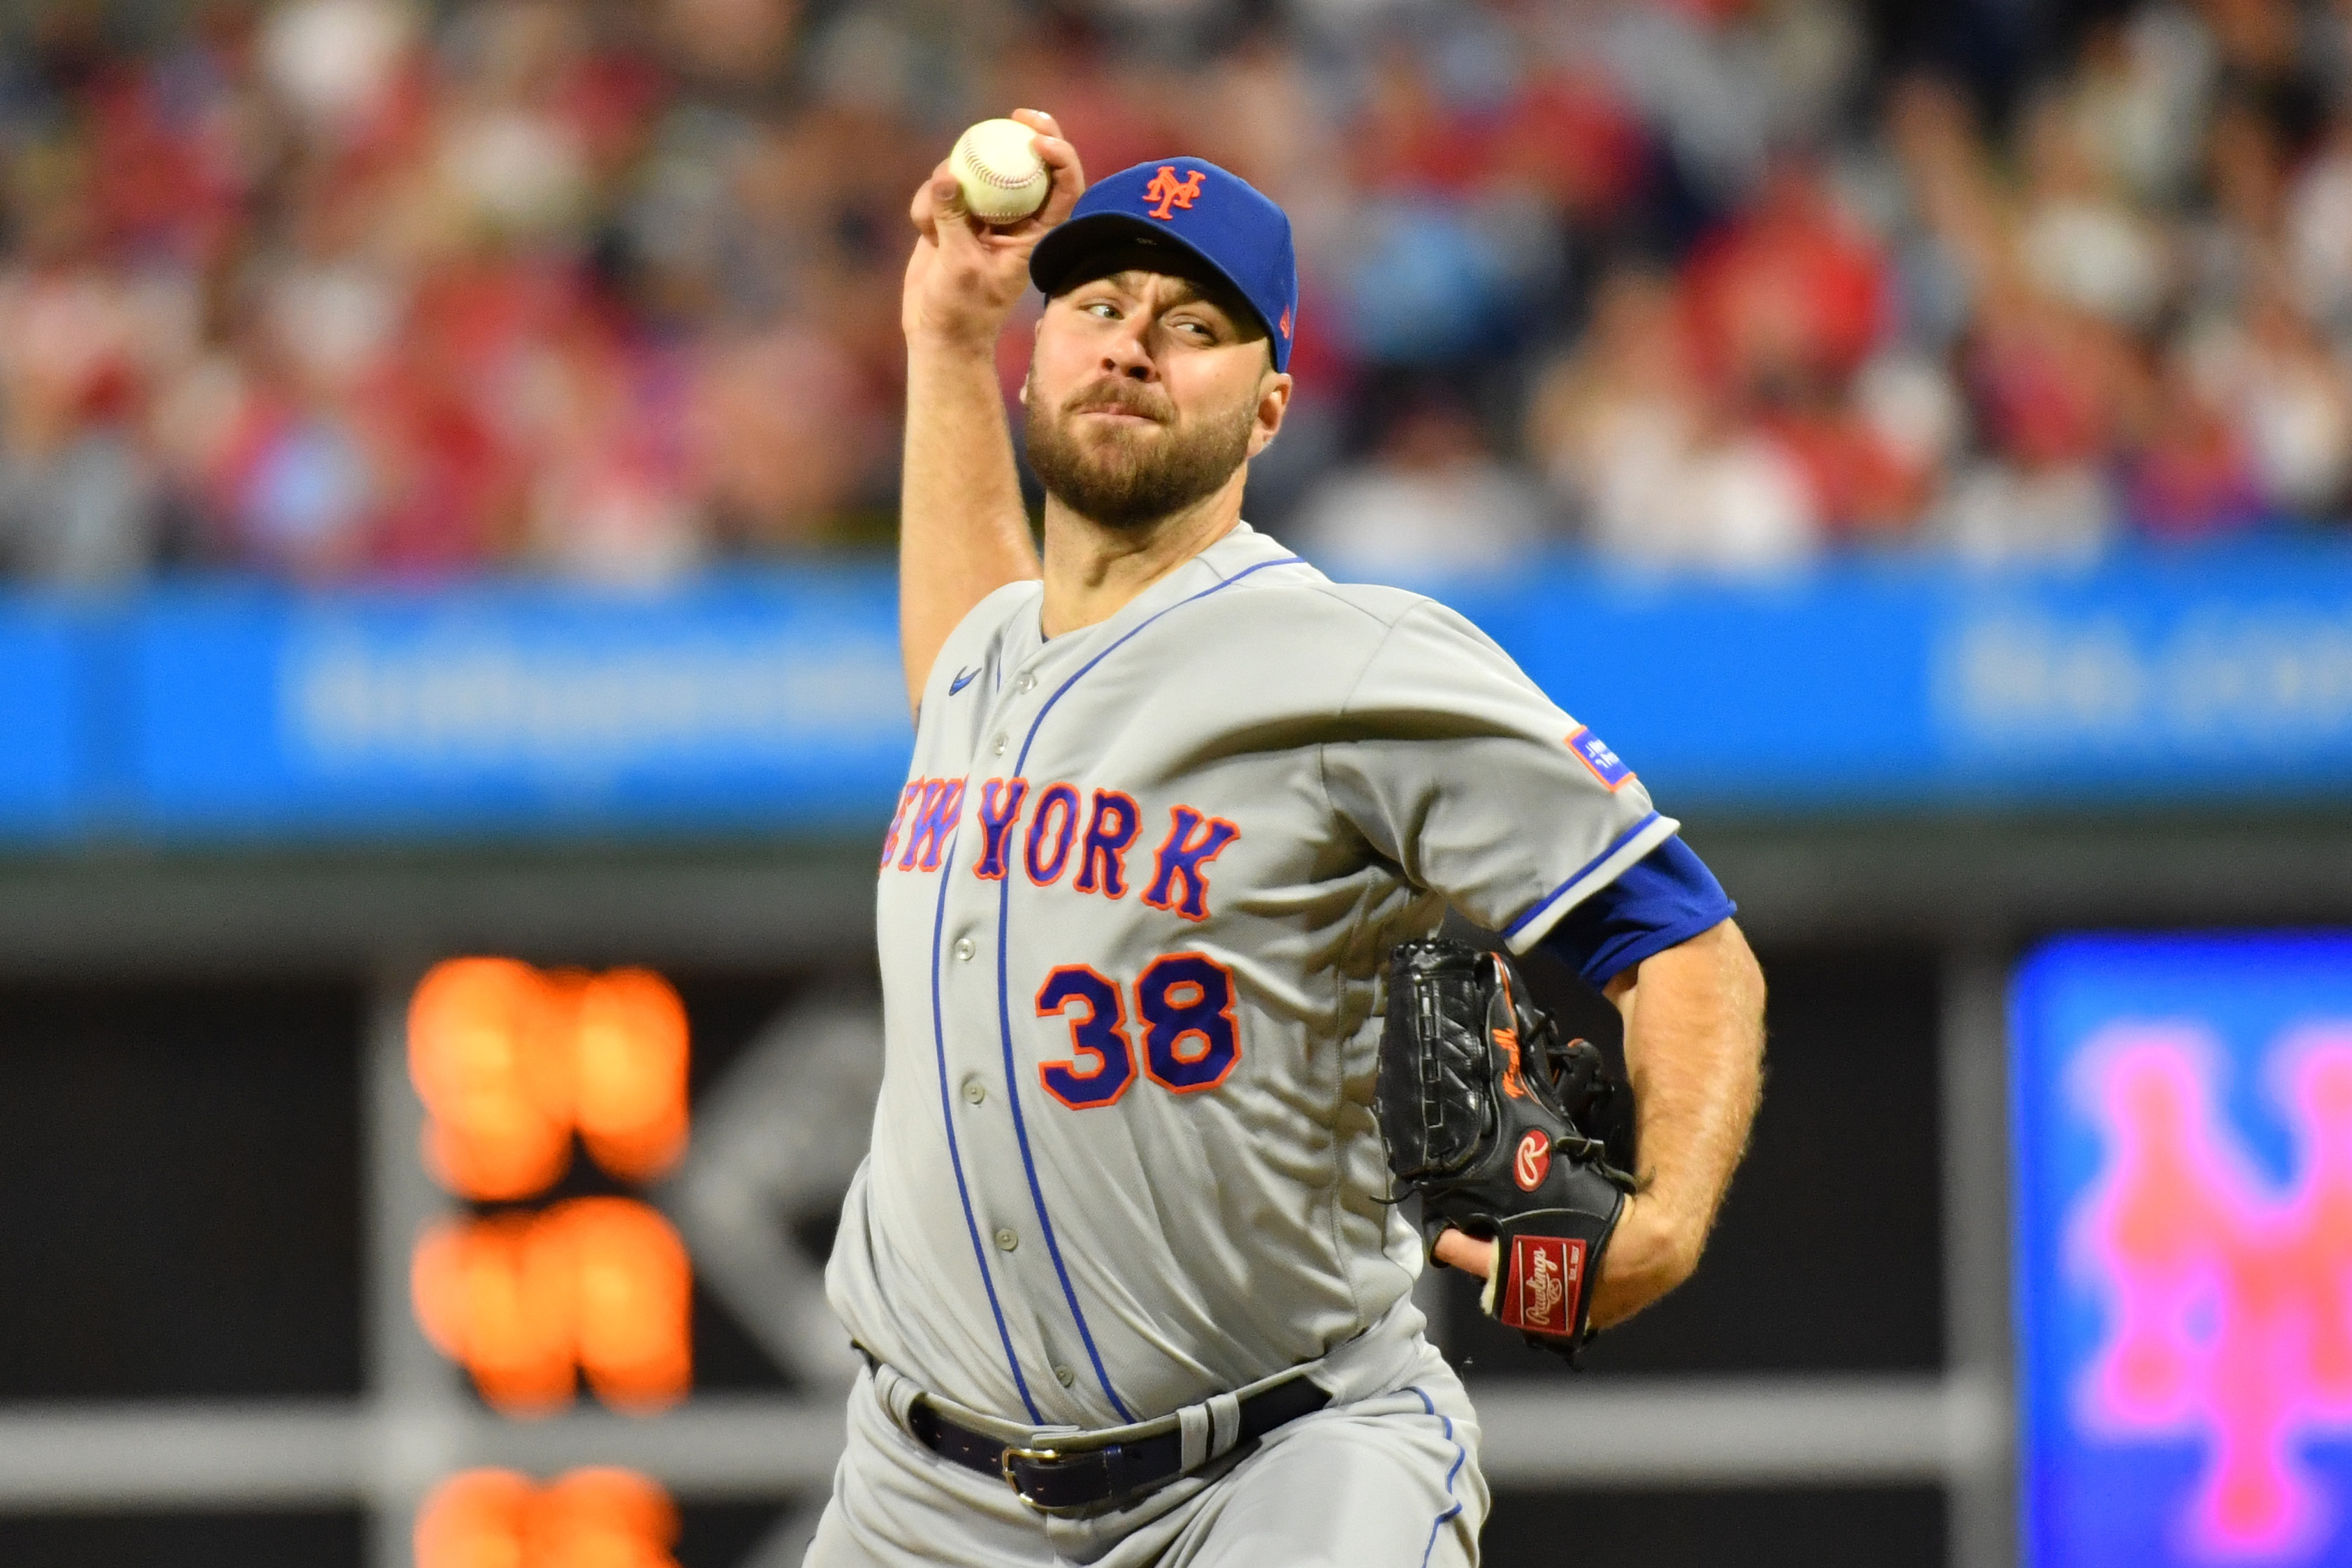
1531,1161
1546,1282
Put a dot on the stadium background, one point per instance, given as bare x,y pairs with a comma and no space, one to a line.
445,455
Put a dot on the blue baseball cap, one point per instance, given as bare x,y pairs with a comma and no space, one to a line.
1193,205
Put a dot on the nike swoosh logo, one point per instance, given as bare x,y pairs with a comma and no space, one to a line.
960,682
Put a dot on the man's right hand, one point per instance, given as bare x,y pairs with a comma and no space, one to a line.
966,276
962,531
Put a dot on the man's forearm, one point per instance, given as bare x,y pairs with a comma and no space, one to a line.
1695,1052
963,532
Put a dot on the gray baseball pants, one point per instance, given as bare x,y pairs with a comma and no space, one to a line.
1388,1481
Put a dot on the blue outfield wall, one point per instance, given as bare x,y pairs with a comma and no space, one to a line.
2153,680
48,673
772,703
760,704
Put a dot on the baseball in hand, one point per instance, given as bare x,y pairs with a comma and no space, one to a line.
998,171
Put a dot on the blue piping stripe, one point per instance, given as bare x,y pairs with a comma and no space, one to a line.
1029,1164
1004,1005
947,1114
1547,901
1460,1458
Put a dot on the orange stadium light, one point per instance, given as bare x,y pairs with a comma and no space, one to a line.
475,1520
629,1048
600,1285
495,1082
509,1060
599,1518
636,1302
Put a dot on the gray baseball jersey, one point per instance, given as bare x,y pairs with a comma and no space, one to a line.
1132,915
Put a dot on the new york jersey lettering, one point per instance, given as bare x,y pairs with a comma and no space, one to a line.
1000,808
907,798
934,823
1047,853
1102,861
1180,881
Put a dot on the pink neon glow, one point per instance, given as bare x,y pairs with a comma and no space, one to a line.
2229,1300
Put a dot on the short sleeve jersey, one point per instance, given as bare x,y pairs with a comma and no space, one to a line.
1133,910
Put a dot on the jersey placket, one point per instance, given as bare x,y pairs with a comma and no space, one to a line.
1041,679
1012,1217
1001,1129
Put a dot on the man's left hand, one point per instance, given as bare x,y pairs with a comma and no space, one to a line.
1646,1257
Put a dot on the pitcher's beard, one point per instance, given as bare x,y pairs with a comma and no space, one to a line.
1129,479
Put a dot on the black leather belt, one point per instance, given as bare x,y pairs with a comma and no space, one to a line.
1058,1479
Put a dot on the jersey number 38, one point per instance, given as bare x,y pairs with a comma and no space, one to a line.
1189,1043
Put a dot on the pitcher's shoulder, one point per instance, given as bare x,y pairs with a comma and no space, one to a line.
1299,590
997,611
984,626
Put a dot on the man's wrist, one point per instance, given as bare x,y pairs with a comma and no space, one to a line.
1656,1241
955,344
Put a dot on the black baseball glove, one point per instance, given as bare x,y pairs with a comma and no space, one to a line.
1505,1132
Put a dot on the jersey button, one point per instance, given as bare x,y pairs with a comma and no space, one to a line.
1005,1241
965,947
974,1091
1063,1375
1028,682
997,745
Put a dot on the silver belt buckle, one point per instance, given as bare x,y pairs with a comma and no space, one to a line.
1004,1465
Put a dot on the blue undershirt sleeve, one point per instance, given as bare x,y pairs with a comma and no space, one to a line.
1663,900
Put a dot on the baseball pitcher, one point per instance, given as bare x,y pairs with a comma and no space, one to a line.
1168,1037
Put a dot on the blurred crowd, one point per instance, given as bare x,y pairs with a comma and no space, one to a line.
329,289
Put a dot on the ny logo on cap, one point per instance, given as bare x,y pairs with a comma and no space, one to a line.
1171,192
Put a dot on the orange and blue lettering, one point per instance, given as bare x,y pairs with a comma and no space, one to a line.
907,797
1190,1040
1101,1062
1000,808
1179,878
934,821
1051,828
1102,859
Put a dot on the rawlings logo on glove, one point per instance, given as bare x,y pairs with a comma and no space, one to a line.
1506,1133
1546,1272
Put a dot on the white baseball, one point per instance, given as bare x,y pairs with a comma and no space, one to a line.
998,171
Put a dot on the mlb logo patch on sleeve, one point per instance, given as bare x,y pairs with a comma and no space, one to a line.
1606,765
